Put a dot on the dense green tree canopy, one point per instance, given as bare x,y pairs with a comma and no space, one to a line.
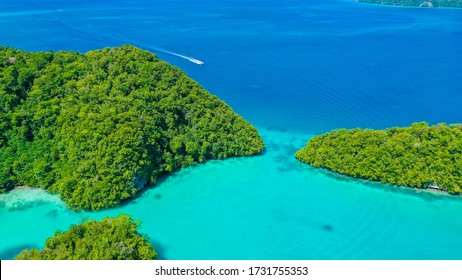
419,3
96,127
418,156
109,239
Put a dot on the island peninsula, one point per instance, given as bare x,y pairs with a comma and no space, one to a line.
418,3
419,156
97,127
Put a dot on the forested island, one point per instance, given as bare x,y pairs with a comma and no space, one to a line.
419,156
109,239
418,3
97,127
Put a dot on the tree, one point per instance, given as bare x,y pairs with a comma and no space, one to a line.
109,239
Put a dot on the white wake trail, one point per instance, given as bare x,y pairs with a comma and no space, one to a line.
192,59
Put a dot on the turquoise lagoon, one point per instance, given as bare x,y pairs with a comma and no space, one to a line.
265,207
294,69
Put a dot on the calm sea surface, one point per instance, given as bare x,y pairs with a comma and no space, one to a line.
294,69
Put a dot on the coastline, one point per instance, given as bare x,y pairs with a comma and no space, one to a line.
276,190
297,69
378,184
406,6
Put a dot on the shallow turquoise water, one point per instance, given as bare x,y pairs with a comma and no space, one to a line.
265,207
294,69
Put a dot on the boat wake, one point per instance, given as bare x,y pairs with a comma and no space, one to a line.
191,59
156,50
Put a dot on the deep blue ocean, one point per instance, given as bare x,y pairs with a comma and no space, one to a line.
294,69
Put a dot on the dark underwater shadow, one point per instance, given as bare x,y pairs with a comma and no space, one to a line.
141,192
428,195
159,248
162,178
26,205
306,221
10,253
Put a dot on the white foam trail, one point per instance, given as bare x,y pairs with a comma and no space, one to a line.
192,59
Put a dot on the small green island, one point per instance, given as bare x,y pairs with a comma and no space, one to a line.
418,3
96,128
109,239
419,156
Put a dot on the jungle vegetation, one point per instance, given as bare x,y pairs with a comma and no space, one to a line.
109,239
417,156
419,3
96,127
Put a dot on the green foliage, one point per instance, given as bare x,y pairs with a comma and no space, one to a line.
96,127
419,3
109,239
418,156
